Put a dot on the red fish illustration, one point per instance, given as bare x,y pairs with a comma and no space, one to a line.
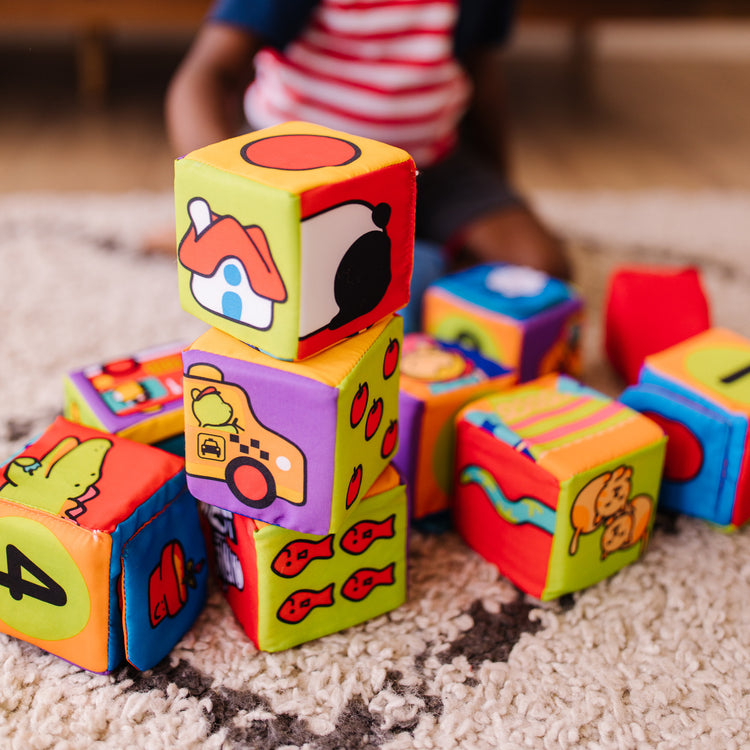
297,555
360,536
362,582
298,605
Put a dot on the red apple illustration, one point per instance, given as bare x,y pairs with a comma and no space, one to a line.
390,361
389,439
373,418
359,404
354,484
684,456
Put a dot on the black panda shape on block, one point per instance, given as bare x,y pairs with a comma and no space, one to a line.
364,273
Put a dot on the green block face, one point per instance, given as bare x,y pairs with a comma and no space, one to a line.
222,244
294,238
287,588
604,520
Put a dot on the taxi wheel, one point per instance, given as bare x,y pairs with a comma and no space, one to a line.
251,482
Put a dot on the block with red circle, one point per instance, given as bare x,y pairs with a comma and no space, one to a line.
294,237
698,391
437,379
101,555
518,316
648,309
291,443
556,483
287,588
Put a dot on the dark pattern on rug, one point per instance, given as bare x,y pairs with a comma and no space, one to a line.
23,429
357,726
493,635
491,638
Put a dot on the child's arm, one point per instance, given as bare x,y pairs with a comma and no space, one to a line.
204,98
487,116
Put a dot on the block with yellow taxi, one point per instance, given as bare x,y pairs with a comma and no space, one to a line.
291,443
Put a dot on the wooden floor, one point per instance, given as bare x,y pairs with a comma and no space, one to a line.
637,122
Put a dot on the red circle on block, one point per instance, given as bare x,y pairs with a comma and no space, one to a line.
300,151
251,482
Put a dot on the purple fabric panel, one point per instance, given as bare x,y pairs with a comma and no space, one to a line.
540,334
303,411
410,410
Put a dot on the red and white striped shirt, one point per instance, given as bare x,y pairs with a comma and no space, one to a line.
382,69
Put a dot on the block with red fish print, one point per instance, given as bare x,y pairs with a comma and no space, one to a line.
101,553
556,483
287,588
698,391
294,237
526,320
291,443
437,379
138,396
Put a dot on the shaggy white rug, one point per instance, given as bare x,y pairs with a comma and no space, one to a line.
657,656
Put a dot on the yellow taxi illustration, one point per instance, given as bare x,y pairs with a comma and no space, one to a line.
224,440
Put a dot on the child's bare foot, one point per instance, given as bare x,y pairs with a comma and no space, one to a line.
515,235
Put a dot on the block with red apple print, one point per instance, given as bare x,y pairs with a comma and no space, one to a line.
295,444
287,588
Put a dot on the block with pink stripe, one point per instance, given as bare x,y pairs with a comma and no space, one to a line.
556,483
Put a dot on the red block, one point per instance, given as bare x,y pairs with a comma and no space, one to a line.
649,309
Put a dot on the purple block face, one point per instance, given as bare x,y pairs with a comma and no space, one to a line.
410,410
549,334
260,442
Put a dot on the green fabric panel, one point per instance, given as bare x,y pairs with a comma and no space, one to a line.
354,445
277,213
598,552
77,409
328,568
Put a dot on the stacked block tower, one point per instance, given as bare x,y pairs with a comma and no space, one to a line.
296,245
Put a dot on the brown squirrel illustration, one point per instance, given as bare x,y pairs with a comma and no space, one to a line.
602,498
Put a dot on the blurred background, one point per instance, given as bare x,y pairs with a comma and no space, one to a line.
603,95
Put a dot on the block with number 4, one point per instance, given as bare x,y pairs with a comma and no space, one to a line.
98,562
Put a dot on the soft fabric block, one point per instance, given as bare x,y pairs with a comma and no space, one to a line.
699,393
287,588
101,555
437,379
520,317
291,443
556,483
294,237
649,309
138,397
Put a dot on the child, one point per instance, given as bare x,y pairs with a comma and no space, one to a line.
423,75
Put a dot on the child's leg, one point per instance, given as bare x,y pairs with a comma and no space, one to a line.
513,235
429,265
463,203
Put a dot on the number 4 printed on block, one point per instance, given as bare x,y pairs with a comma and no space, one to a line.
47,590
